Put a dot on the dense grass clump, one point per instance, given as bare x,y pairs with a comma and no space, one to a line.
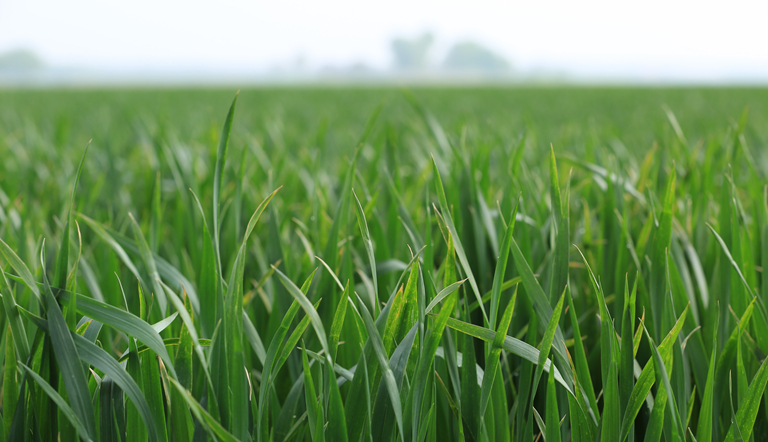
347,265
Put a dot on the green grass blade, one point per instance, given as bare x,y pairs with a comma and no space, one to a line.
511,344
214,428
254,339
662,378
542,306
17,264
275,348
540,423
544,349
218,177
337,422
149,263
237,406
445,210
382,420
762,321
610,420
309,309
560,223
608,343
442,295
105,236
627,356
124,321
689,414
290,343
493,359
61,271
706,411
741,373
381,354
552,418
170,274
10,382
68,361
209,281
19,335
729,350
214,281
660,246
547,340
648,376
64,407
108,428
581,368
749,406
153,392
340,219
156,213
181,422
735,429
135,430
338,321
314,411
501,266
369,250
97,357
187,320
413,407
368,414
429,419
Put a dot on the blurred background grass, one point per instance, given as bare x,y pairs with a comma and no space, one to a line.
565,116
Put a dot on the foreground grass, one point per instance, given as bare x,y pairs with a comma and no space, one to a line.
412,271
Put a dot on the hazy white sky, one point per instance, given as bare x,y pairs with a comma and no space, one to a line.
653,38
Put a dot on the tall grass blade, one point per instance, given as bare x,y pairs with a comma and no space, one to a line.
446,213
64,407
381,355
368,243
125,322
17,264
665,388
315,413
62,261
68,361
543,309
17,331
552,418
213,427
749,406
493,359
561,224
218,178
268,372
706,412
544,349
648,376
97,357
149,263
511,344
11,383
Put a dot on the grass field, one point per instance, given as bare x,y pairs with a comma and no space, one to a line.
349,264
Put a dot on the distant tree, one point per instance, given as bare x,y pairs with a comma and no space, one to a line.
471,56
20,59
412,54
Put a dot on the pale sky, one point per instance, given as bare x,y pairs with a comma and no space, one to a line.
672,38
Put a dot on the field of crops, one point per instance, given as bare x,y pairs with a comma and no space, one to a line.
368,264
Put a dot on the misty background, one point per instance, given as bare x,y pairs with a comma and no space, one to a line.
89,42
